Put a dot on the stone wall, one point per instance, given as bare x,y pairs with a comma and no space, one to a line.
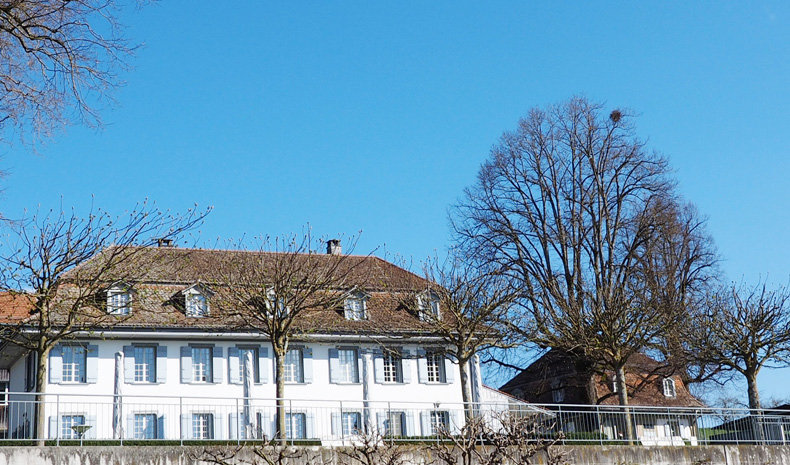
576,455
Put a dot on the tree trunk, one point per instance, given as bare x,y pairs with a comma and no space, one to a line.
279,362
466,393
754,394
42,353
622,396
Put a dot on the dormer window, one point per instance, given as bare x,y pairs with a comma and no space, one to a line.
428,306
669,387
355,307
196,301
119,299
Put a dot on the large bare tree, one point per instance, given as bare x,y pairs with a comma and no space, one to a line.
41,270
744,329
271,287
585,217
59,62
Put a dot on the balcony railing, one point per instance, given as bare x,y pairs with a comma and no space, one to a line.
125,419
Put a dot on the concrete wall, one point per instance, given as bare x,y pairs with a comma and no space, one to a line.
580,455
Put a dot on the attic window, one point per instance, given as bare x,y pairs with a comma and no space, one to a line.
428,306
275,304
669,387
355,307
196,301
119,299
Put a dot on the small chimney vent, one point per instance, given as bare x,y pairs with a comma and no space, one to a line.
333,247
164,242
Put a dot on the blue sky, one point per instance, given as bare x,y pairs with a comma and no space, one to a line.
374,115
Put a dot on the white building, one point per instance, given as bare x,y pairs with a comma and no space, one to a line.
372,361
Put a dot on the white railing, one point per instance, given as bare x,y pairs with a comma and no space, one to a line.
125,419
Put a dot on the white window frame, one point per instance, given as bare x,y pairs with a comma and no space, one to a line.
139,433
201,370
428,306
349,367
119,300
293,366
145,370
393,367
435,367
76,370
196,301
346,425
670,389
437,419
199,420
66,432
401,423
289,425
355,307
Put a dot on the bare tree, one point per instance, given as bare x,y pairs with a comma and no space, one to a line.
746,329
371,448
272,288
255,454
43,269
579,211
474,303
505,437
59,62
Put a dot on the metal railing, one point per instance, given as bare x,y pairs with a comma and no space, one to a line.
124,419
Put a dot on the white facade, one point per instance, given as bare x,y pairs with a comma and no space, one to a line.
182,395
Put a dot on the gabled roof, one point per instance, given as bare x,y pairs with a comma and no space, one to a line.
15,308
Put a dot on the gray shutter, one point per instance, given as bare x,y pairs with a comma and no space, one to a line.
92,366
408,421
161,424
309,426
56,365
54,432
218,427
334,366
406,367
266,425
90,420
422,367
186,425
263,364
161,364
128,364
307,358
337,427
216,368
129,433
186,366
378,368
449,370
425,423
234,373
234,426
360,369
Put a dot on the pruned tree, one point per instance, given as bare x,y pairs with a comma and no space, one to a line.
575,207
503,437
255,454
43,270
59,62
371,448
744,329
475,302
271,288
